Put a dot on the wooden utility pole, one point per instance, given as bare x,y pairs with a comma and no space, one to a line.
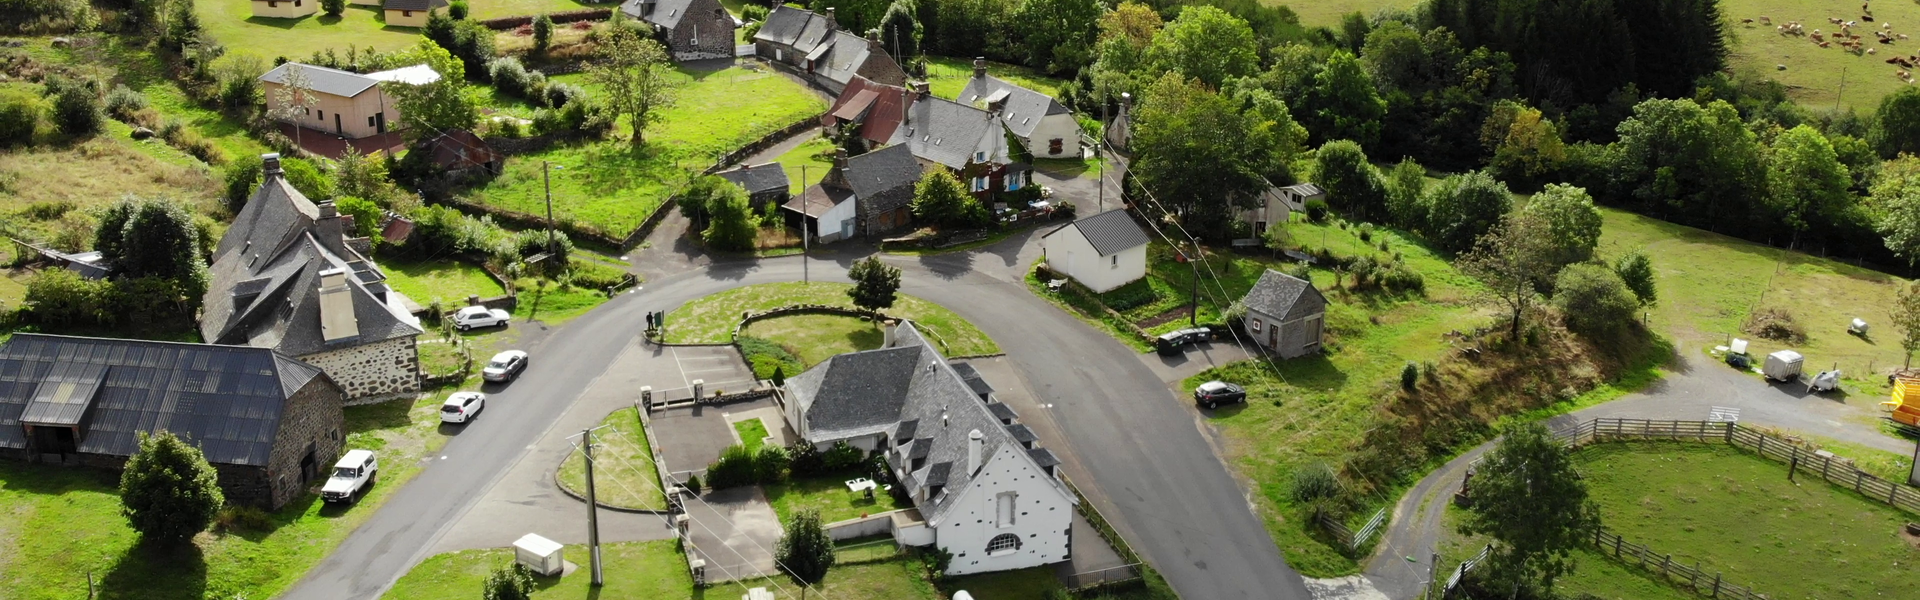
548,183
593,518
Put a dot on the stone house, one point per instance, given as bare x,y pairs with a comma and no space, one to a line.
269,424
1277,205
969,142
814,45
286,277
870,194
1102,252
460,153
1285,314
285,9
690,29
981,486
765,183
1042,124
349,105
412,13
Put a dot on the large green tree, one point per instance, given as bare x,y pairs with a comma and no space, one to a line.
1352,185
1463,207
1897,198
1808,183
168,492
432,108
1636,270
1200,156
805,550
875,284
1343,103
1897,123
1906,316
1058,35
900,31
940,199
1207,44
1594,301
1573,223
1511,260
153,238
1695,165
1120,54
732,225
636,79
1530,499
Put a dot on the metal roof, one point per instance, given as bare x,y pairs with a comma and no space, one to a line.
759,178
333,82
1109,232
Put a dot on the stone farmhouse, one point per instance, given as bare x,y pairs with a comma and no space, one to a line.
814,45
269,424
349,105
285,9
870,194
970,143
1285,314
412,13
1041,123
981,487
690,29
286,277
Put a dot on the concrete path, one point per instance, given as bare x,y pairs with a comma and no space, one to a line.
735,531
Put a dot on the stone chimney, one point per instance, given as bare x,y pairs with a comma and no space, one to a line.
922,88
975,445
887,332
979,67
270,164
330,229
832,23
840,160
337,320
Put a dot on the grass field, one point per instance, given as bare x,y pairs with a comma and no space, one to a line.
449,281
62,523
753,433
827,494
654,571
1593,572
711,319
947,76
613,186
816,155
1813,74
233,24
817,338
624,474
1315,14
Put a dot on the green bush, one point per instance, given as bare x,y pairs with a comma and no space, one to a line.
1317,210
770,464
842,456
168,490
458,10
1594,300
124,101
803,460
1130,296
510,582
766,357
19,117
76,105
1317,488
734,468
542,33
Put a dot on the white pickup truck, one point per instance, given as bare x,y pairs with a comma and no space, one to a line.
352,476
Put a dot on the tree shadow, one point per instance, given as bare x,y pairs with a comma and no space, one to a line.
276,22
948,266
870,337
1315,371
157,571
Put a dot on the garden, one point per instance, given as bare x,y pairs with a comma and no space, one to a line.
624,474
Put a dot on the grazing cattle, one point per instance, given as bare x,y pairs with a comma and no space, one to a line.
1766,20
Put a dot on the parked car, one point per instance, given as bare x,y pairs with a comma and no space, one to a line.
1173,343
1215,393
480,316
505,366
353,475
462,407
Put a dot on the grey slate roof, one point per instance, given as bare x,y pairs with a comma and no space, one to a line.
843,62
1279,295
263,285
1023,109
414,4
882,170
783,25
666,13
758,178
332,82
227,400
950,133
974,380
1108,232
856,393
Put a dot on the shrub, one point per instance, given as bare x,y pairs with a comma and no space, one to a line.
734,468
1774,323
803,460
123,102
333,8
547,121
247,518
509,76
1316,487
19,117
168,491
770,464
1409,377
559,95
842,456
1636,270
457,10
1130,296
542,33
1317,210
1594,300
76,105
510,582
692,483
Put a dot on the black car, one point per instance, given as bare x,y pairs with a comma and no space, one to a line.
1173,343
1215,393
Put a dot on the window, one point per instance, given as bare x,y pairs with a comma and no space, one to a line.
406,13
1003,544
369,121
322,115
979,184
980,156
1003,509
1116,261
296,2
1054,146
1256,325
272,4
1014,181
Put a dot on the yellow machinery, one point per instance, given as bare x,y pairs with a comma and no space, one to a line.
1905,405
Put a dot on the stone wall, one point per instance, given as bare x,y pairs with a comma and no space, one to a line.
386,368
309,420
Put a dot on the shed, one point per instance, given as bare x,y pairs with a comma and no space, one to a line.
459,152
765,183
542,555
1285,314
1102,252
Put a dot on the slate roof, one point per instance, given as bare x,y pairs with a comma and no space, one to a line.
849,53
818,199
666,13
855,394
1108,232
263,285
1279,294
227,400
973,379
880,171
783,25
332,82
758,178
1023,108
951,133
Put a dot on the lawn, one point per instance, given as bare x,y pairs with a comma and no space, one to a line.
62,523
654,571
1316,14
712,319
816,156
1594,573
554,304
447,281
1710,283
625,475
947,76
439,357
753,433
233,24
827,494
93,173
612,186
1736,513
817,338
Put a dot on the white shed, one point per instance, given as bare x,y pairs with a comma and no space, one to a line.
1102,252
542,555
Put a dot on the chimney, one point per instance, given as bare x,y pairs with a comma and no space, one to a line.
1126,101
979,67
922,88
840,160
887,333
337,321
329,229
832,23
270,164
974,444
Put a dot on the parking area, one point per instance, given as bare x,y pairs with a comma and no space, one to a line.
691,437
718,367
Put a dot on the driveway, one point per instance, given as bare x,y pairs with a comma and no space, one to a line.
734,530
692,437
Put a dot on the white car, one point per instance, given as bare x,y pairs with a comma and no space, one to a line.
352,476
462,406
505,366
480,316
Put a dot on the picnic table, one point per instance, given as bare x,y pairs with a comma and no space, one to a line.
860,485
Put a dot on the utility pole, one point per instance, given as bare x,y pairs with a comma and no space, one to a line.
548,182
1100,149
1193,313
805,247
1842,93
593,518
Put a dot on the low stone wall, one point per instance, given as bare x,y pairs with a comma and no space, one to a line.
803,309
766,141
867,526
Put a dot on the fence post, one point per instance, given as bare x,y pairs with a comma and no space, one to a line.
1616,546
1793,461
1763,446
1716,585
1665,565
1729,434
1856,480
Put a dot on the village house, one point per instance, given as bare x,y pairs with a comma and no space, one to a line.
1042,124
981,486
1102,252
286,277
285,9
690,29
870,194
1277,205
269,424
349,105
1285,314
1119,131
814,45
460,153
765,184
412,13
968,142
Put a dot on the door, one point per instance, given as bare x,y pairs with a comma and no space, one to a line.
1273,336
380,122
846,229
337,129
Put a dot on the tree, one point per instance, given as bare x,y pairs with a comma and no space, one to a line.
940,199
1573,224
1463,207
1701,162
542,33
509,582
153,238
333,8
1352,185
1897,196
1530,500
430,108
1198,156
357,175
1120,55
76,105
168,492
1897,123
1808,183
1636,271
1594,300
697,199
1511,259
1906,316
183,27
635,78
1343,103
1406,187
1058,35
900,31
1526,147
874,284
733,226
294,99
1207,44
805,551
367,216
457,10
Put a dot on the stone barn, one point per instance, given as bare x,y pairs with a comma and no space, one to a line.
1285,314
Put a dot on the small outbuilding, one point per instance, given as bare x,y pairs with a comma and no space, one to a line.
1277,205
1285,314
1102,252
412,13
765,183
460,153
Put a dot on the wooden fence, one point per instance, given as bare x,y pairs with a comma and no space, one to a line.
1349,538
1691,576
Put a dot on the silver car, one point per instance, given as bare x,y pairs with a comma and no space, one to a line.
505,366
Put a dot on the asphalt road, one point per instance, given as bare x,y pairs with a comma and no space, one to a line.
1147,465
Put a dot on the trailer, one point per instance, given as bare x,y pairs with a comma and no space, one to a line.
1783,365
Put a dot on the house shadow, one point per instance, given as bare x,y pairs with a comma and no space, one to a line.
279,23
171,570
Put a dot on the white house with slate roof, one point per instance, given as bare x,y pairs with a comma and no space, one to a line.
1042,124
984,490
1286,314
1102,252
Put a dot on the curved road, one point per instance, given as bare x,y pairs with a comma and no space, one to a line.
1138,452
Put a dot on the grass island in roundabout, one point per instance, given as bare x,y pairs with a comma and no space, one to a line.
795,342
